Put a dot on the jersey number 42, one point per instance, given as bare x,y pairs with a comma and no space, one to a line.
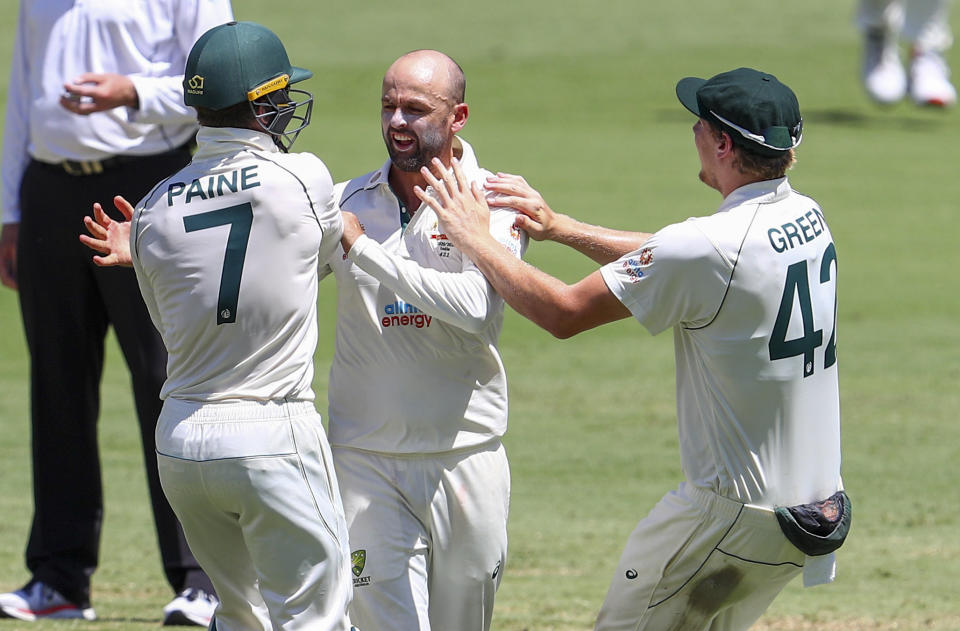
796,288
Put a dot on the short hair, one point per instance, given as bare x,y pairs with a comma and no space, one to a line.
238,115
458,84
753,163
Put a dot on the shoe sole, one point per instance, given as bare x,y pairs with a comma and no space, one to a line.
16,614
941,103
180,619
68,613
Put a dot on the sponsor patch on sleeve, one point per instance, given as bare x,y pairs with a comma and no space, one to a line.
634,266
511,242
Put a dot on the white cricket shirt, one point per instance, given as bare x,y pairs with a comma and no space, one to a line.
416,367
58,40
226,253
751,295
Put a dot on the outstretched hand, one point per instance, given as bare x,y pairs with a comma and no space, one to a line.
110,238
536,218
459,204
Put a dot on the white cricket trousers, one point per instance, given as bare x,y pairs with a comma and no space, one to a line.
923,23
428,534
699,562
254,487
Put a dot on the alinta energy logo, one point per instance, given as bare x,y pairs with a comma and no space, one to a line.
400,313
195,84
358,559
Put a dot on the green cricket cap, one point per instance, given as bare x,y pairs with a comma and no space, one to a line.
237,62
759,112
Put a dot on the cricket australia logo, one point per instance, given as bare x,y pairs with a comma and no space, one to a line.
195,84
358,558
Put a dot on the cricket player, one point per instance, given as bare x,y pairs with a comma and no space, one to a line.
226,253
751,295
418,392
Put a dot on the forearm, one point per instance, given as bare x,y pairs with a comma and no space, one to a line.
603,245
531,292
563,310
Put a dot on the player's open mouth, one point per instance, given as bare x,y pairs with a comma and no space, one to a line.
402,141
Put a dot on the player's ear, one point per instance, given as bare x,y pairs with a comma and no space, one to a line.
460,113
724,144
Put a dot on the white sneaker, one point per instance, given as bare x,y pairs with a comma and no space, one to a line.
191,607
883,74
930,81
37,600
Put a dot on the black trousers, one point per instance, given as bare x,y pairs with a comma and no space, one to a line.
67,303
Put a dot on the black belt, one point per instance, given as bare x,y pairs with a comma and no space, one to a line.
96,167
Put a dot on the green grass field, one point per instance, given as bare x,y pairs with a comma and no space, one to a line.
578,97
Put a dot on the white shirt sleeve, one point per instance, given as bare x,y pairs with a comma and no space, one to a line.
331,222
464,299
677,277
136,229
161,91
15,130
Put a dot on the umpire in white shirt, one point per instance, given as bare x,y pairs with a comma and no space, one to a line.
96,109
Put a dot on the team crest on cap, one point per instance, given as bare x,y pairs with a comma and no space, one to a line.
195,84
830,509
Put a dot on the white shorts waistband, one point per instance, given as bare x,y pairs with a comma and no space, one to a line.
213,431
236,410
726,507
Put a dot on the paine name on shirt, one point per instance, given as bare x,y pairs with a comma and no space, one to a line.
803,229
211,186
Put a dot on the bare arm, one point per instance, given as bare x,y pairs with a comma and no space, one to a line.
110,238
563,310
603,245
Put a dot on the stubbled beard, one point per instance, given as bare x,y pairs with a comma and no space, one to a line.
428,148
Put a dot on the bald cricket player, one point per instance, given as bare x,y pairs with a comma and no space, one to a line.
418,392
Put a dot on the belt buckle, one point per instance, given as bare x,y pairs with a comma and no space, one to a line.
82,167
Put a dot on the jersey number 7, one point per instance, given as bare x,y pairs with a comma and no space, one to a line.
797,286
239,218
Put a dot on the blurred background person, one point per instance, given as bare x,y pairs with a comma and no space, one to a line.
97,110
924,26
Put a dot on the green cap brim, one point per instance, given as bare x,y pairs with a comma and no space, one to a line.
299,74
687,89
